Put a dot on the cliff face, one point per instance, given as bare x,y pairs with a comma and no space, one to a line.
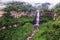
16,14
1,13
19,14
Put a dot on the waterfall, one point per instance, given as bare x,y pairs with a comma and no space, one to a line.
37,19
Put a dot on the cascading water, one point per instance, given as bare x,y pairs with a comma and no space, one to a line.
37,19
36,26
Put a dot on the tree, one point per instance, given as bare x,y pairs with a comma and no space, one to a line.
56,8
18,6
8,20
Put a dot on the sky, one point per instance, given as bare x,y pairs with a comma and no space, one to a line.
53,2
36,1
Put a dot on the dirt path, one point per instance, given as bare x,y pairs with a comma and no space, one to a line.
32,34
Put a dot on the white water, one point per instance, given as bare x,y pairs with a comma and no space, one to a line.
36,25
37,18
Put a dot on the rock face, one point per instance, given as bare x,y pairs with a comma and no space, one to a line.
16,14
1,13
55,16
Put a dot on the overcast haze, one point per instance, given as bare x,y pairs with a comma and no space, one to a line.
53,2
36,1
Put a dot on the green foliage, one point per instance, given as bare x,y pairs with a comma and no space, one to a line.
19,33
7,20
11,8
25,19
56,24
1,23
18,8
56,8
53,32
46,18
49,31
41,34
